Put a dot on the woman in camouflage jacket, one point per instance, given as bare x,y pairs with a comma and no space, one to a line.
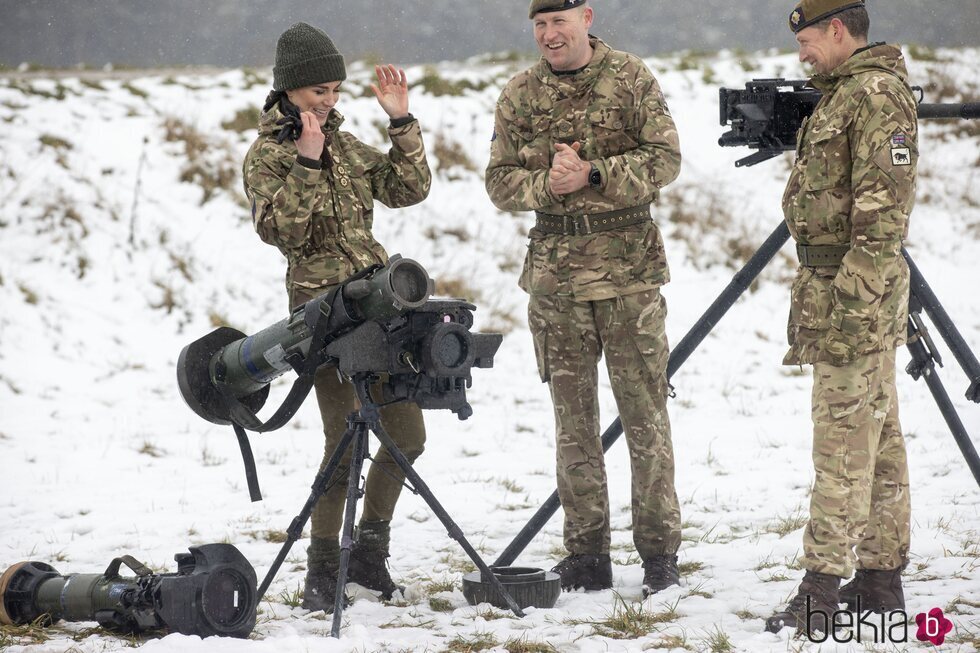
312,189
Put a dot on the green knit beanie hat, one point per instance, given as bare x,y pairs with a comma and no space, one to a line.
305,56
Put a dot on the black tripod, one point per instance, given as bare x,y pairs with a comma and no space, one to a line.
920,345
359,423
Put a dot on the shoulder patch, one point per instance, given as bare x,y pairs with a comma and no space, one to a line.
901,156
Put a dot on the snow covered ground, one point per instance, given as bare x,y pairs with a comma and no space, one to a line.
124,236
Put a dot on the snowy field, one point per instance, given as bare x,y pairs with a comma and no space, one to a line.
124,236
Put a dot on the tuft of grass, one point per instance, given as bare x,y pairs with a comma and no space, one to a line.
445,585
628,620
55,142
151,450
434,84
783,526
718,641
244,120
30,296
440,604
473,643
138,92
524,645
292,597
459,288
688,568
449,154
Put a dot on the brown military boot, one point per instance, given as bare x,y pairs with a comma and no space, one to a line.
659,573
813,607
590,571
877,590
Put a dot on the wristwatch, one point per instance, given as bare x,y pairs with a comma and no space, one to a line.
595,177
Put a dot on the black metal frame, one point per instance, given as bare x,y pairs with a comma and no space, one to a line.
360,423
923,364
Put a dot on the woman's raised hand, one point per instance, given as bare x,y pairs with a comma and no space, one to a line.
391,90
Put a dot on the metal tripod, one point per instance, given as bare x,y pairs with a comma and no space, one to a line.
920,345
360,423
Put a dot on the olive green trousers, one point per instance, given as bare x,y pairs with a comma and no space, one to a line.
402,421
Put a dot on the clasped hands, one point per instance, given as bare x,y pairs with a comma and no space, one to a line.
568,172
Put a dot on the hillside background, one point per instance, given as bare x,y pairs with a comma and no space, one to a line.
66,33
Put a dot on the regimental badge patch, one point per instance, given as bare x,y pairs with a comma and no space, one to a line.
901,156
795,17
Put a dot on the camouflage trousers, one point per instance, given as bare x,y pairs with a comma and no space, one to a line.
859,509
569,338
402,421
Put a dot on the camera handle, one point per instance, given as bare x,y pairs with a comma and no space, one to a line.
360,423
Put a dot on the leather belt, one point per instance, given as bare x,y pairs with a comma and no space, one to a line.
815,256
589,223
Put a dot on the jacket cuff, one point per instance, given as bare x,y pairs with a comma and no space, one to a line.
313,164
401,122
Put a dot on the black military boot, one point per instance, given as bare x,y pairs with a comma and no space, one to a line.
369,559
659,573
320,590
877,590
590,571
369,568
813,607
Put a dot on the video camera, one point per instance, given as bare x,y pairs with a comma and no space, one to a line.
212,593
766,118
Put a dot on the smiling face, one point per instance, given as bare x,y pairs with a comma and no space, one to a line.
320,99
563,37
824,47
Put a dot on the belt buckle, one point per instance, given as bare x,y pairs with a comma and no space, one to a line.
801,254
586,225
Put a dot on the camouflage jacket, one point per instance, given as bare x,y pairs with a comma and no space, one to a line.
854,184
321,219
615,109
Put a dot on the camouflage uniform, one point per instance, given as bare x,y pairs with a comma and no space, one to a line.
598,292
853,185
320,219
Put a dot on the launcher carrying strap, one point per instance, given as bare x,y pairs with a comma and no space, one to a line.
243,418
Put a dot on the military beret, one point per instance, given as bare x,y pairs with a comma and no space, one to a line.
541,6
809,12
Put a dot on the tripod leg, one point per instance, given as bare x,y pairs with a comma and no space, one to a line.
295,530
347,534
736,287
961,351
451,527
922,365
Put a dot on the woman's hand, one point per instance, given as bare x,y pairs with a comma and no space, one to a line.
391,90
310,142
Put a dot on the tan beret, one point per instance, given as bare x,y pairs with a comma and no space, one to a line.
542,6
809,12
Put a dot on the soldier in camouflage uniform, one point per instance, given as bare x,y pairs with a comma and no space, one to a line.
312,189
584,138
847,205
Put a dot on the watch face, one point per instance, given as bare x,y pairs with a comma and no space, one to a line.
594,177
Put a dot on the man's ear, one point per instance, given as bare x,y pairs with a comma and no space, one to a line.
588,15
839,30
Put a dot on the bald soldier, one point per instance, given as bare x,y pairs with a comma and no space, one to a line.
584,139
847,205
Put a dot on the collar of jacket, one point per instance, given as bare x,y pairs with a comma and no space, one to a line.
268,120
877,57
587,77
